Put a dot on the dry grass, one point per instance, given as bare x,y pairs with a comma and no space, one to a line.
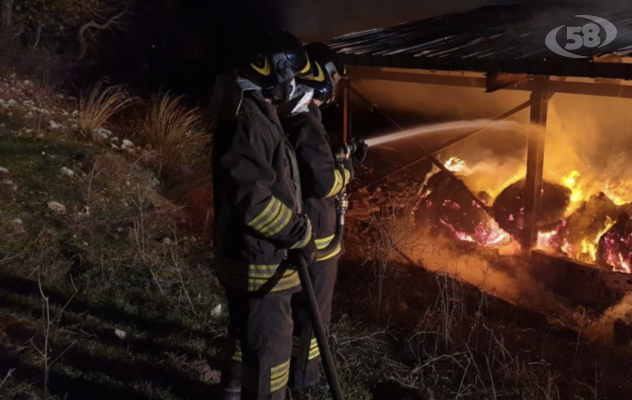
175,135
449,341
101,103
70,281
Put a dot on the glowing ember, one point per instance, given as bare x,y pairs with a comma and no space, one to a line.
567,247
616,260
488,235
585,226
616,247
455,164
620,265
547,239
451,204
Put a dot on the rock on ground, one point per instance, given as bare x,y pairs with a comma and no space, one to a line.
57,207
53,125
67,171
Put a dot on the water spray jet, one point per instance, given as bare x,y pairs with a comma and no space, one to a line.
441,128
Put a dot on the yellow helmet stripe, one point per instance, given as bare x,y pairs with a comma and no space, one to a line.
307,68
266,70
320,76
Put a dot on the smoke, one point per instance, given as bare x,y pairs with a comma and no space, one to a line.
621,310
494,175
487,171
495,157
590,135
506,278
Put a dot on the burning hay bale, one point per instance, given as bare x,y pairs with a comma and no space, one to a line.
584,228
590,218
509,206
446,204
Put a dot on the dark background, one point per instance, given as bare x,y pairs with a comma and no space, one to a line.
180,45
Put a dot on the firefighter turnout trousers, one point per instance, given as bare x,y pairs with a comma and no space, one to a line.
259,345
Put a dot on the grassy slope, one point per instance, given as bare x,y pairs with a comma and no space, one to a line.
126,266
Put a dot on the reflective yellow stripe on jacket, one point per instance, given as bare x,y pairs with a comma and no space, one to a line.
339,182
323,243
259,275
254,277
272,219
308,236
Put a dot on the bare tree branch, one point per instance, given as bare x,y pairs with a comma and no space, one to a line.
89,26
38,36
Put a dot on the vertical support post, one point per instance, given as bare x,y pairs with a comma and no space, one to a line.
346,127
535,161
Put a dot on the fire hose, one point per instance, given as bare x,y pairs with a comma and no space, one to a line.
320,332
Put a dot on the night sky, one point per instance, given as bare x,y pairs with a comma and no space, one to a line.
182,44
311,19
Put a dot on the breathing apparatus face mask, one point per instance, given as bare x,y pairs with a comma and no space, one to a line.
299,102
282,93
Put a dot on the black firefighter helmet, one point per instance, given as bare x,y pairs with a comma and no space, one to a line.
327,70
274,59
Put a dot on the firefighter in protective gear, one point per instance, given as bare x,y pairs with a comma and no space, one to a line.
259,223
321,181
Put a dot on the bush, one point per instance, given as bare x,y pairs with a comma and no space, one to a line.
176,136
100,104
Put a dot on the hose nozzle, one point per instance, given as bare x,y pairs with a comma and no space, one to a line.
347,150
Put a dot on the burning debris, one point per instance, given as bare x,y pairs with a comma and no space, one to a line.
595,230
615,246
446,203
585,227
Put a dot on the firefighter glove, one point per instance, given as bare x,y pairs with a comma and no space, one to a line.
308,254
361,149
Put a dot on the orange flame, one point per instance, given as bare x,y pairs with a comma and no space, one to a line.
546,240
572,181
614,249
619,192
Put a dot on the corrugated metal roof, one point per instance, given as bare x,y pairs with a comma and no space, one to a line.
507,39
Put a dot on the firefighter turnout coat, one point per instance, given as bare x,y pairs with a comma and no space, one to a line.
321,180
257,199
